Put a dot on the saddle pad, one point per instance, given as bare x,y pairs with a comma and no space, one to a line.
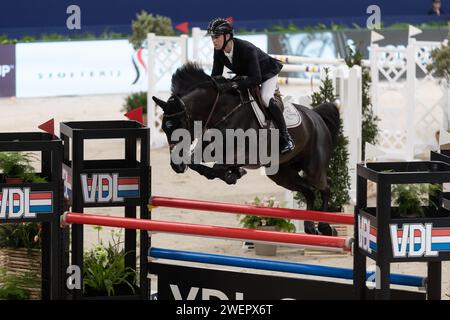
290,113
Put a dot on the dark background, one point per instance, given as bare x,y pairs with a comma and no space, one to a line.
25,17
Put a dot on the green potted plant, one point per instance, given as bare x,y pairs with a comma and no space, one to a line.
104,271
136,100
20,252
266,223
146,23
17,286
414,200
439,67
17,169
440,62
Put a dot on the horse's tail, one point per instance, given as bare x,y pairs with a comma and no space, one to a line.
330,115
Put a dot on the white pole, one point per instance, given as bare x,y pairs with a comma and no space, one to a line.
410,98
196,38
152,79
354,115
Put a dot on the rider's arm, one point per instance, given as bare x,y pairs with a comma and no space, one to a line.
254,77
217,69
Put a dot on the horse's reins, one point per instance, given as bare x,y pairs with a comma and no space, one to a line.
224,118
214,107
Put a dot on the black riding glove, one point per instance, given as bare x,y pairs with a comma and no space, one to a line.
242,82
240,78
227,85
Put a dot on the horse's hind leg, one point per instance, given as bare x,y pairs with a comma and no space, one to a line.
288,177
323,227
325,195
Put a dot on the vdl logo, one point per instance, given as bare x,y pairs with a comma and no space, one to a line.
17,203
105,187
364,234
413,240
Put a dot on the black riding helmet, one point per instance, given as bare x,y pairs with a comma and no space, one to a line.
220,26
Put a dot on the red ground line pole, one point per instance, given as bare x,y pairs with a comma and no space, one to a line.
205,230
342,218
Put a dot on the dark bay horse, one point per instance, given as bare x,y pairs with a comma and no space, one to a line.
195,97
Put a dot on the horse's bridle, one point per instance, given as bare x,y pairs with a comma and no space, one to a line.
205,127
214,107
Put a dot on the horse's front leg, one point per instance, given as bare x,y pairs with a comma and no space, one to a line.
229,174
205,171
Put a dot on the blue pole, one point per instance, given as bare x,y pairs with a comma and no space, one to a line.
273,265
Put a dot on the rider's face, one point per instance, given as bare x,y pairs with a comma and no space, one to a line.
217,41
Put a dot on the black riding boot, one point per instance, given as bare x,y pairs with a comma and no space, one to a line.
286,142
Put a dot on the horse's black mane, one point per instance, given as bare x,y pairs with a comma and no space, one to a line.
187,77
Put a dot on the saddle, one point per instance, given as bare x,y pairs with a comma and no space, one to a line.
253,95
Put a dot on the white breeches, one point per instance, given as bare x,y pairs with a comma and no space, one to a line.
268,88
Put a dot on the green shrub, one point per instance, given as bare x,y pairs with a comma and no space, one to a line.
146,23
411,198
18,165
440,62
20,235
253,222
337,169
17,286
136,100
5,40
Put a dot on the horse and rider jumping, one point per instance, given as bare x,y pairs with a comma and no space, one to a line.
305,150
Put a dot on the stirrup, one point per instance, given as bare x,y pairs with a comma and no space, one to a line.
289,144
288,148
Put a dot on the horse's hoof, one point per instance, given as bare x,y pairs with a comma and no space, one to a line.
242,172
229,177
335,233
326,230
310,228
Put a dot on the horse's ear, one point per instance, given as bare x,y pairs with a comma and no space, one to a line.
160,102
180,102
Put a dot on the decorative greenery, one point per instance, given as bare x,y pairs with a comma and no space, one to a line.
253,222
440,62
20,235
136,100
17,286
104,267
337,171
146,23
276,28
5,40
18,165
293,28
49,37
370,121
15,164
411,198
279,27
